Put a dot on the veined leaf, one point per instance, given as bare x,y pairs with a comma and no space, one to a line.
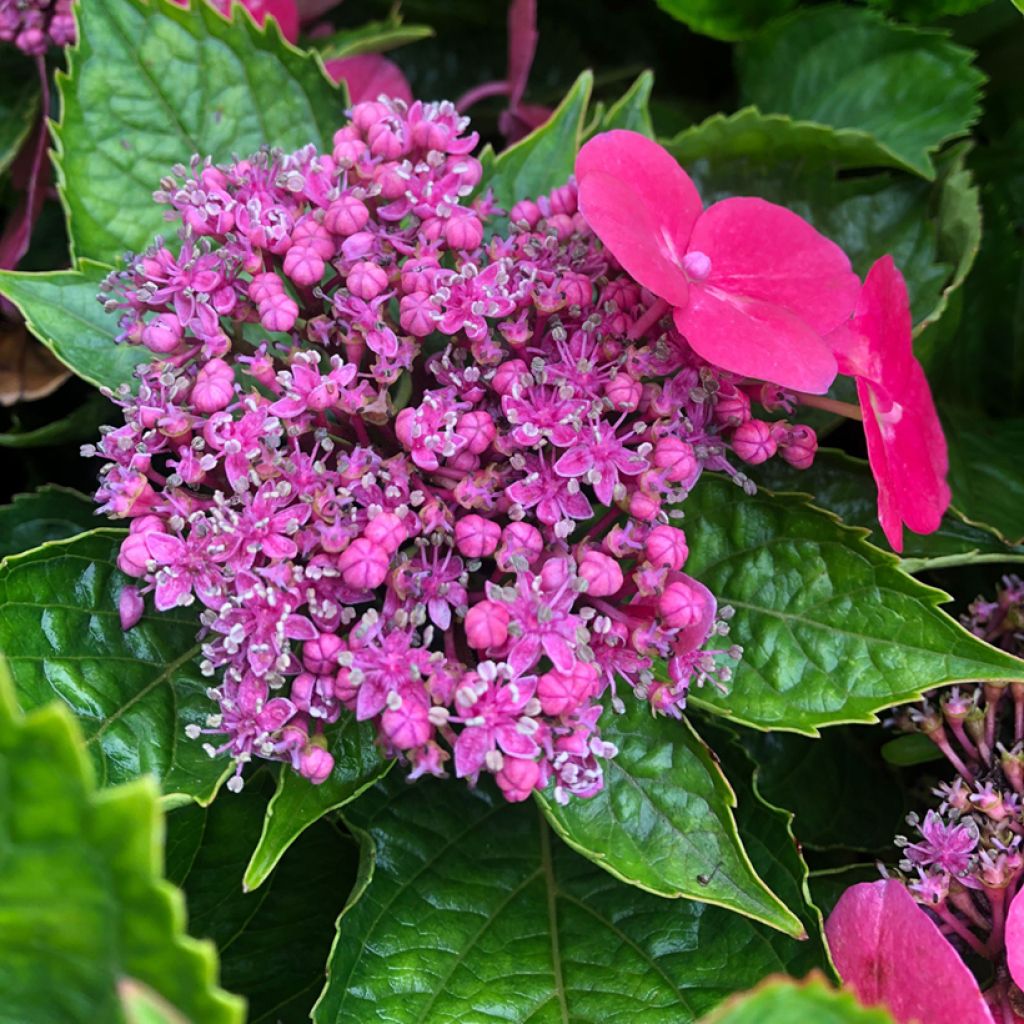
51,513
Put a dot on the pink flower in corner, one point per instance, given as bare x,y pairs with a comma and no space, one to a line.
888,950
369,75
1015,940
906,446
284,12
754,287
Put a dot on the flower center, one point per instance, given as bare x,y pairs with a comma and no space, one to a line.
697,265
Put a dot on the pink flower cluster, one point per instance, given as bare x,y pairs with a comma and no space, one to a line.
416,463
33,26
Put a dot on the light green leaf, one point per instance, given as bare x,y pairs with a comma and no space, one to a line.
297,804
19,106
51,513
148,86
373,37
546,157
664,821
274,943
914,748
81,424
141,1005
726,19
133,692
909,89
62,310
800,165
82,900
784,1001
472,910
832,630
631,110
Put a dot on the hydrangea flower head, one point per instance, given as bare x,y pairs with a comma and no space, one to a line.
754,288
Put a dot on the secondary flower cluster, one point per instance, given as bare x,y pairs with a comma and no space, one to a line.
416,466
35,25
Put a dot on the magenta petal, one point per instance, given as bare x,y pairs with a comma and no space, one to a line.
756,339
889,951
617,215
1015,940
653,175
764,251
575,462
369,75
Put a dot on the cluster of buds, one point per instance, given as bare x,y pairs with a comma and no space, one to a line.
417,461
33,26
966,863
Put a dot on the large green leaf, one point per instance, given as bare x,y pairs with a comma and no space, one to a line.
784,1001
82,901
273,944
475,912
19,106
800,165
832,630
909,89
632,111
297,804
51,513
134,692
62,310
664,821
726,19
546,157
985,471
845,486
148,86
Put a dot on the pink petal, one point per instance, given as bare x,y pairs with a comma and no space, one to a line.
618,216
763,251
1015,940
522,45
653,174
369,75
889,951
882,318
756,339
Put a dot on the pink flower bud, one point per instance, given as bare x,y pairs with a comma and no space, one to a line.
320,656
506,376
799,447
416,314
478,429
366,115
407,726
476,537
517,778
264,285
665,547
278,312
346,215
214,387
366,280
349,152
525,212
644,507
603,575
386,530
554,574
311,235
623,392
130,607
730,410
562,225
133,555
464,232
519,540
316,764
303,265
385,141
562,692
563,199
676,460
162,334
681,605
364,564
753,442
486,625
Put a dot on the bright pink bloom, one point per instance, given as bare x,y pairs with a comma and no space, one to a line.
1015,940
906,446
369,75
888,950
754,287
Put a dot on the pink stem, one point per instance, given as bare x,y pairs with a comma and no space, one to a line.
652,316
481,92
847,409
961,930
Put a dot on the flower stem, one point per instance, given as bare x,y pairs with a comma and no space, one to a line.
847,409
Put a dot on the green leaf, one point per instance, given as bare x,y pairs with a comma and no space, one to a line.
297,804
133,692
784,1001
832,630
909,89
985,471
726,19
273,944
51,513
664,821
62,310
81,424
148,86
373,37
19,106
82,900
631,110
546,157
844,485
141,1005
928,10
475,911
842,794
914,748
801,165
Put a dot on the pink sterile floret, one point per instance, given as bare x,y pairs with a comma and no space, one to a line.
753,287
